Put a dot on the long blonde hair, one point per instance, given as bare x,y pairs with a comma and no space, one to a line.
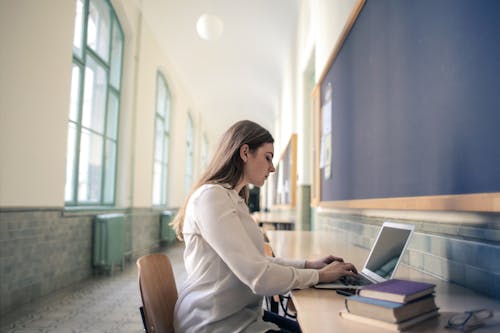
226,166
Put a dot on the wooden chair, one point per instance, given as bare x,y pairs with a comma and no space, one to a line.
158,293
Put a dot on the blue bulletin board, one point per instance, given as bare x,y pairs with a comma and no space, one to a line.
412,93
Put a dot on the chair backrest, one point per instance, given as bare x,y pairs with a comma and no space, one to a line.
158,292
268,250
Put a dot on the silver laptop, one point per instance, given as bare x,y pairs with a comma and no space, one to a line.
383,260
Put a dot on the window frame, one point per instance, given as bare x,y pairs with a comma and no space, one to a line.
189,172
166,137
204,152
108,136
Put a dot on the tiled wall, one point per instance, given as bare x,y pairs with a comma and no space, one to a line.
466,253
43,250
146,231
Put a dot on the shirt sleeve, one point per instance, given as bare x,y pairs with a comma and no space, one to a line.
221,228
297,263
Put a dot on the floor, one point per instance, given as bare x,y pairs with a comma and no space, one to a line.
100,305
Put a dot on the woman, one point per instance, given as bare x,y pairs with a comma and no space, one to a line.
228,272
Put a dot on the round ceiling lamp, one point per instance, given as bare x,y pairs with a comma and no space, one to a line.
209,27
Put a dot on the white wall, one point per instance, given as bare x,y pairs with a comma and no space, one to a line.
130,20
36,57
287,119
305,57
150,58
319,27
36,41
329,18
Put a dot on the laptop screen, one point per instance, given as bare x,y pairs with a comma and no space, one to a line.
387,250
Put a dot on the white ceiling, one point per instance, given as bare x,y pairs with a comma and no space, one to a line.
238,76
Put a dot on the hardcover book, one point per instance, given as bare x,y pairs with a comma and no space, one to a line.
389,311
397,290
389,326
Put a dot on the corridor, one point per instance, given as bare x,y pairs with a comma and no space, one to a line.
98,305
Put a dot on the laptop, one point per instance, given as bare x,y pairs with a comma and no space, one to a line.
383,260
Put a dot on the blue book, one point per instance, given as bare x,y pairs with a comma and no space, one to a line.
397,290
388,311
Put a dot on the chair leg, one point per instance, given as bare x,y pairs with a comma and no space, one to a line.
143,319
288,308
272,304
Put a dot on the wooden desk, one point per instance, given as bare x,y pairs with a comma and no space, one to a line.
318,310
280,222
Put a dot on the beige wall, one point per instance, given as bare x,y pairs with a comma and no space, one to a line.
149,59
36,39
328,18
34,103
319,27
320,23
35,88
130,21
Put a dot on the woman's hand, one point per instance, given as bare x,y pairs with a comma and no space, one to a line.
320,263
336,270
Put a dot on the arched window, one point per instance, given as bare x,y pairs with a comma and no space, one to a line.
95,105
204,153
189,154
162,141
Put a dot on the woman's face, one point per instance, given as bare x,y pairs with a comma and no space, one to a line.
259,164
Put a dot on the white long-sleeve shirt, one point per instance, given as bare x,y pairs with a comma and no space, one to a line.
227,270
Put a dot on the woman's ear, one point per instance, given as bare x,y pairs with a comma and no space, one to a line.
244,152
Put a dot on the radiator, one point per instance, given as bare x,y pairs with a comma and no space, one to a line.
167,234
109,241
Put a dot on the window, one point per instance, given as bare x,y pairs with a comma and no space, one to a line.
189,154
204,153
94,105
162,140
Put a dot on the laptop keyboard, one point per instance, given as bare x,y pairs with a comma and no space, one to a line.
359,280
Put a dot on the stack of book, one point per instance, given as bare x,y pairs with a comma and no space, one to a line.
393,304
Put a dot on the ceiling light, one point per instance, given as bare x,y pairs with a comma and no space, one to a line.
209,27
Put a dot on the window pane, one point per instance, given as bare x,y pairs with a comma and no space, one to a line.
98,28
78,33
94,102
112,124
188,184
109,176
163,188
204,153
90,168
116,56
160,99
159,140
70,163
165,170
98,46
75,93
167,111
157,183
165,151
189,155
